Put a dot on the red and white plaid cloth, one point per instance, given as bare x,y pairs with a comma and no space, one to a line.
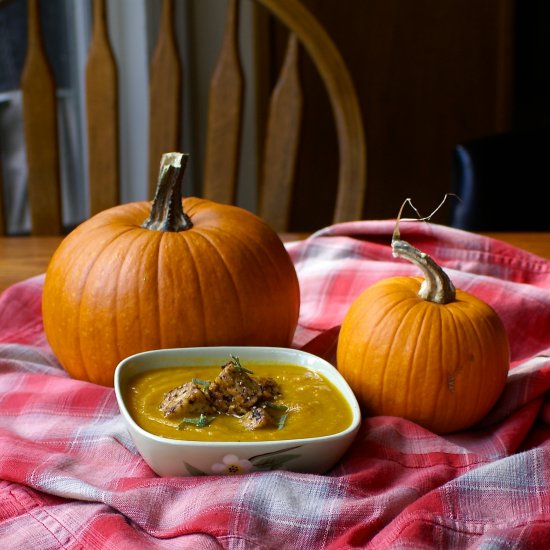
72,478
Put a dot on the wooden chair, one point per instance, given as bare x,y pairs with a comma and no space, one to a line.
282,127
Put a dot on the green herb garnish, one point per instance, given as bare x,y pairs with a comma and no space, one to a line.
276,407
281,423
201,422
199,382
238,366
279,408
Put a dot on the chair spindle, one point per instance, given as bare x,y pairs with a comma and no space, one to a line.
165,95
102,114
225,104
40,128
282,139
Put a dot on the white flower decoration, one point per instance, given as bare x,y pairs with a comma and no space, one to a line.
232,464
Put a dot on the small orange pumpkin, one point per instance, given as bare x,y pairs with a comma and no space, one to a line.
193,273
421,350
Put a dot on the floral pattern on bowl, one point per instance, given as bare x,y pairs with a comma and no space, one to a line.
231,464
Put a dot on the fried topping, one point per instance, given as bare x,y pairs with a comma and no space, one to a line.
233,392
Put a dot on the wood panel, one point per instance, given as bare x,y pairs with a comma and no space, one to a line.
282,142
224,119
165,95
102,116
40,128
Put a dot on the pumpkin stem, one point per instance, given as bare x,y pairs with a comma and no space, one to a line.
167,210
436,287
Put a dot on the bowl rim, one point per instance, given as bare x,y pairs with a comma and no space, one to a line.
342,386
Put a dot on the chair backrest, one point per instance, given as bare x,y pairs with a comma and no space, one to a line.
502,182
225,111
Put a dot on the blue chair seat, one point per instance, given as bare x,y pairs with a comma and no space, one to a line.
503,182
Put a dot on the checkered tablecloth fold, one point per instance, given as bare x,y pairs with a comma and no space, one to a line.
70,476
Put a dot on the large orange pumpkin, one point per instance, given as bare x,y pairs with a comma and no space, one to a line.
199,275
421,350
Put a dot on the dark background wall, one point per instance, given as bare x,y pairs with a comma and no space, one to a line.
429,75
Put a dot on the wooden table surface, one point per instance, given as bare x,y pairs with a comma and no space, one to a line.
23,257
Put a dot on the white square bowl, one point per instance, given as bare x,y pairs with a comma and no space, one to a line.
173,457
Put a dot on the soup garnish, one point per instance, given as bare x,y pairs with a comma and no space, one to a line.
261,401
233,392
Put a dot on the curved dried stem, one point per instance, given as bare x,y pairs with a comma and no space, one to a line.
420,218
436,287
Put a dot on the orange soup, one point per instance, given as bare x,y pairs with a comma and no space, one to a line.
311,405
